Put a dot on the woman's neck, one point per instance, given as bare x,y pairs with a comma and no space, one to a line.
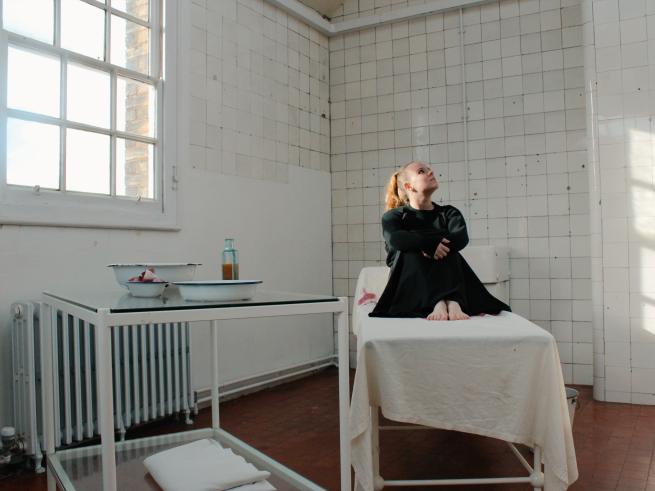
422,202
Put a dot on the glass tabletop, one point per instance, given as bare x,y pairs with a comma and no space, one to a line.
119,300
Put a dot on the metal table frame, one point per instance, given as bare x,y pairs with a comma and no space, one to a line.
103,319
535,477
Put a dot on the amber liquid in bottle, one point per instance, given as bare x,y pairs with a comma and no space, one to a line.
230,271
230,261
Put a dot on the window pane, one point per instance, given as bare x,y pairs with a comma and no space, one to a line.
33,82
87,162
32,154
83,28
134,169
137,8
88,95
130,45
18,16
135,106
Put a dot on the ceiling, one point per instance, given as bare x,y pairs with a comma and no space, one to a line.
325,7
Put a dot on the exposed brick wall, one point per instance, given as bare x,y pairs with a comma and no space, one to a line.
137,109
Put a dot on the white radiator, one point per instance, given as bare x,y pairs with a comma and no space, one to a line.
151,371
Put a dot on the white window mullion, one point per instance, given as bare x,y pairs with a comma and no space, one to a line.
131,18
155,41
131,136
23,42
4,48
141,77
108,31
28,116
63,69
4,52
158,181
63,98
87,127
156,67
112,103
95,3
112,142
57,16
40,118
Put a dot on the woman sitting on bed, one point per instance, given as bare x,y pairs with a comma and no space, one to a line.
428,278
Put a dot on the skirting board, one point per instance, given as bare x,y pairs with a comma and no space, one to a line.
249,385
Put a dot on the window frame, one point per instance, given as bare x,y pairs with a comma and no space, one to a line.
22,205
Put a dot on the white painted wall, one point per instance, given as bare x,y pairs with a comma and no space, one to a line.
280,230
281,220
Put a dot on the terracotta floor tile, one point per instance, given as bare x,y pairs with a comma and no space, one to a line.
636,468
631,485
297,424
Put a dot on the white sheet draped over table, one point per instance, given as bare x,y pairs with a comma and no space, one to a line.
497,376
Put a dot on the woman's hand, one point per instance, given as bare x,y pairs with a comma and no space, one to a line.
441,252
442,249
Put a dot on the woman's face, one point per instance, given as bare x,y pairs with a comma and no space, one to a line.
420,178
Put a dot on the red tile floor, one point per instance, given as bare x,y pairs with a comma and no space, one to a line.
296,424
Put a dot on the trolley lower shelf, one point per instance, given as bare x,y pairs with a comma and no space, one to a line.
80,469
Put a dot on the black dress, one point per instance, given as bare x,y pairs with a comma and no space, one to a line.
416,283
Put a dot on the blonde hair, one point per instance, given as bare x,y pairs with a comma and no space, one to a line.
396,194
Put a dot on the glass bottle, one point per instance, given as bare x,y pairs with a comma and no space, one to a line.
230,261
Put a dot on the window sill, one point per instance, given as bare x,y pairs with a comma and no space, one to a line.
50,210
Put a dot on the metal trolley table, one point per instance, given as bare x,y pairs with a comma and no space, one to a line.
104,308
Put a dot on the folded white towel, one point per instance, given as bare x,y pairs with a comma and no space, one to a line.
202,465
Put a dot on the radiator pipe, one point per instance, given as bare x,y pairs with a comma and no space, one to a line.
278,378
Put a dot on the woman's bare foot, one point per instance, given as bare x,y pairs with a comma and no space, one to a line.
455,311
440,312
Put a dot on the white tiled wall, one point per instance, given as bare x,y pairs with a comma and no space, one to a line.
397,95
260,103
619,61
260,89
351,9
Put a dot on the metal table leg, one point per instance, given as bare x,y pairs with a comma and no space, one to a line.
105,402
344,396
215,379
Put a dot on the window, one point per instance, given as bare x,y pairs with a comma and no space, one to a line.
82,127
